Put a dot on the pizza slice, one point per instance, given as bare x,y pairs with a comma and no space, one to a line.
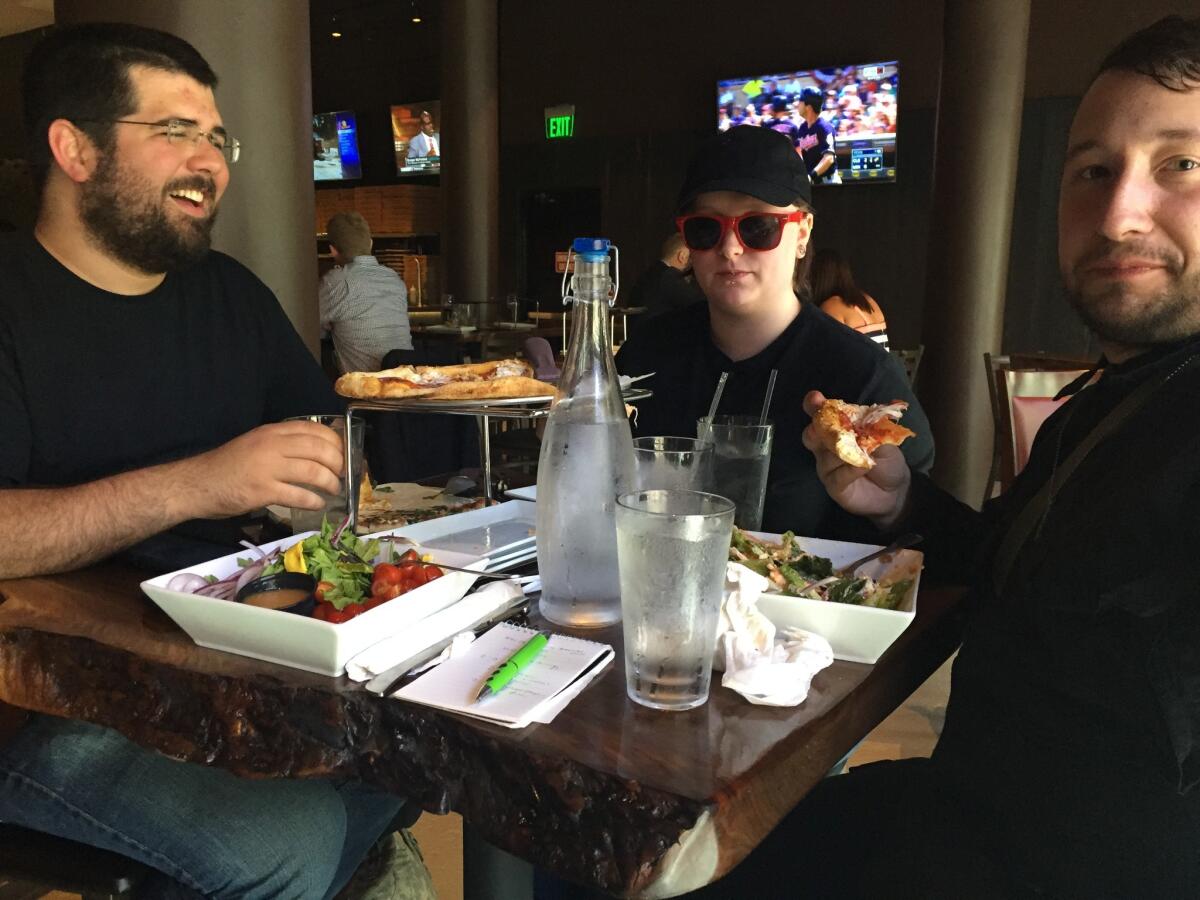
472,381
854,432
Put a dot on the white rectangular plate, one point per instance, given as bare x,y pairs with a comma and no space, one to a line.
300,641
523,493
493,531
856,633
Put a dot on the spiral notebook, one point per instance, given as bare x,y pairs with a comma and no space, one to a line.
562,670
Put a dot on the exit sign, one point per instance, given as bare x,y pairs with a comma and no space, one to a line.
560,121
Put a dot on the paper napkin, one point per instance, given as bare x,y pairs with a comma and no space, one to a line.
765,668
459,617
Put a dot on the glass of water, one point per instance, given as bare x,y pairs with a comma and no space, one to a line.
336,505
672,547
673,463
742,458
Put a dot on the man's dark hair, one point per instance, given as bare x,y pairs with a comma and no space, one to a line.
81,73
1167,51
813,99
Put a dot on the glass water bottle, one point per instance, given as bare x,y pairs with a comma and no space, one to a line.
586,459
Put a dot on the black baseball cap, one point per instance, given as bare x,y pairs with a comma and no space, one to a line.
748,160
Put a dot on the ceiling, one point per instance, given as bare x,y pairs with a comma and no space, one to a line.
25,15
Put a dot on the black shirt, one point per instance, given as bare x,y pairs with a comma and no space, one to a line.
1073,728
94,383
813,353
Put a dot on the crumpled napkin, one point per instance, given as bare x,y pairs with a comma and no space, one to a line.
765,669
452,620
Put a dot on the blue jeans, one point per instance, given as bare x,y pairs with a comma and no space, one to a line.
208,832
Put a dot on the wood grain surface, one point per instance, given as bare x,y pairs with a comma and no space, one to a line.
611,794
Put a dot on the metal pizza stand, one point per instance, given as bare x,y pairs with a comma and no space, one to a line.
518,408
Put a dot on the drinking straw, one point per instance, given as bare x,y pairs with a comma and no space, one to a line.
762,420
712,407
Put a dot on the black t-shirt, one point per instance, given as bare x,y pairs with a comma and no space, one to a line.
814,141
813,353
94,383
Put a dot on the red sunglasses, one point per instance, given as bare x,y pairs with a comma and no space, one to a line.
754,230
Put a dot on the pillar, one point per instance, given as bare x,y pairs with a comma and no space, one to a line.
980,99
471,164
260,52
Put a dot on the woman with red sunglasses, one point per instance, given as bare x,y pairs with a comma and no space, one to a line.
745,213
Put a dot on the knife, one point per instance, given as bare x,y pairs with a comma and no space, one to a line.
387,681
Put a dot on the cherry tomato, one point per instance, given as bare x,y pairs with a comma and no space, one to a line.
432,572
410,556
322,611
373,601
388,591
338,616
322,587
386,573
415,576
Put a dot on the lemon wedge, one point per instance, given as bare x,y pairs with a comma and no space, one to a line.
293,558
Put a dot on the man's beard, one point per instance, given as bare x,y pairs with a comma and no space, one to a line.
125,214
1172,314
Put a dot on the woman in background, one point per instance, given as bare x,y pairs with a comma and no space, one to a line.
835,291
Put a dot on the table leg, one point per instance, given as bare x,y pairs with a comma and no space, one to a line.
485,453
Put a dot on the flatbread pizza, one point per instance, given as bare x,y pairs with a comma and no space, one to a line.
495,380
854,432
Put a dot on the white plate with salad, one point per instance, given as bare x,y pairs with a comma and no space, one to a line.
304,642
860,615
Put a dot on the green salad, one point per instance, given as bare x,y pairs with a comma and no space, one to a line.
798,573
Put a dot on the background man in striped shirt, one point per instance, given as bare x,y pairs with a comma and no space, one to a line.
364,303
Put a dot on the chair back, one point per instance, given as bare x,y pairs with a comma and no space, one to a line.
1022,388
541,356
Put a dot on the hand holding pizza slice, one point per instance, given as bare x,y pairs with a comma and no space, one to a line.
854,432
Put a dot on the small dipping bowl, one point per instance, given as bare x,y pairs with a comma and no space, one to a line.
292,592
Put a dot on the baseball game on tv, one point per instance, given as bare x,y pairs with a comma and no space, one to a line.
841,120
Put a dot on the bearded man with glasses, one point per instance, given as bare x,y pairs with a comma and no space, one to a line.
745,212
137,370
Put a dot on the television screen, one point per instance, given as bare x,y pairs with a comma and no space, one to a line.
842,121
335,147
416,131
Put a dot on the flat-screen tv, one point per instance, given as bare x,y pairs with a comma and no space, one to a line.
335,147
841,120
417,134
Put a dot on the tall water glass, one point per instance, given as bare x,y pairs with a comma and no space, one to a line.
673,463
335,506
672,548
742,458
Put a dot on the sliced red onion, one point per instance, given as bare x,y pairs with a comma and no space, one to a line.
187,582
249,573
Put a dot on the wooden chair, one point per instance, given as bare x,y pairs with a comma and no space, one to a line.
911,360
56,864
1022,387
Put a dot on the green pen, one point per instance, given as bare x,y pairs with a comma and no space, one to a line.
512,666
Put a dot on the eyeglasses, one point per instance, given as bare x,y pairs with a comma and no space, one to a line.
181,130
754,230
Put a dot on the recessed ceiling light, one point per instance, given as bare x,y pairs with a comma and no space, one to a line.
335,34
416,20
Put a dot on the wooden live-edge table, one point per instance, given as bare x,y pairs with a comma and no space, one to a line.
636,802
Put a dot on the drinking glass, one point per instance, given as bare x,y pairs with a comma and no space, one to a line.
673,463
672,548
742,458
336,506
